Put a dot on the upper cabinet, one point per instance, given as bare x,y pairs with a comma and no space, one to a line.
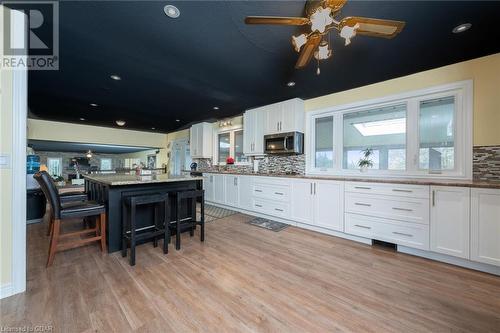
201,140
286,116
253,132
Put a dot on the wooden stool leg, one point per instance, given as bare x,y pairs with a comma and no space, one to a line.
155,239
124,229
193,215
202,218
178,225
102,220
166,225
132,234
53,241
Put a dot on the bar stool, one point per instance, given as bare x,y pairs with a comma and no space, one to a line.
130,232
191,222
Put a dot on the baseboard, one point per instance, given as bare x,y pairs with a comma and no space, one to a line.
6,290
451,260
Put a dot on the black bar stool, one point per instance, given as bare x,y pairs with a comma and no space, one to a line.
130,232
190,222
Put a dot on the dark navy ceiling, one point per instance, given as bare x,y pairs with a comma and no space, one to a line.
72,147
180,68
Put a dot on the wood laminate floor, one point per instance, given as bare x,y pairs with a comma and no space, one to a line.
248,279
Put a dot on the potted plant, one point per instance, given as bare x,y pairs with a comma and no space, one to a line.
365,162
59,180
229,160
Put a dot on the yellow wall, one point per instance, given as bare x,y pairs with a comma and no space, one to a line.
58,131
484,71
5,178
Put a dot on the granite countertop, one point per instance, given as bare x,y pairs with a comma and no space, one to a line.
120,180
409,181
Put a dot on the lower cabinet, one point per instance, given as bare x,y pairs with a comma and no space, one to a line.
319,203
208,186
450,220
219,189
231,189
245,192
485,226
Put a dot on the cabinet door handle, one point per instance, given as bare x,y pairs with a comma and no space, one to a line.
314,188
311,188
362,226
279,210
277,126
403,209
433,198
257,205
362,188
399,190
362,204
258,190
402,234
278,193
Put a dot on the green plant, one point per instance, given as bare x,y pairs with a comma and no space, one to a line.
366,161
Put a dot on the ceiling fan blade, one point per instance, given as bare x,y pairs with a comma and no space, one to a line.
335,5
279,20
373,27
308,49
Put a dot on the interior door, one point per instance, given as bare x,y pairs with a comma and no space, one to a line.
329,205
302,201
450,220
180,156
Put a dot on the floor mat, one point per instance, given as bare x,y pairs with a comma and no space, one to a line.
213,213
268,224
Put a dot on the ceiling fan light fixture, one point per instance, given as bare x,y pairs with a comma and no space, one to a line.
348,32
321,19
299,41
324,51
89,154
172,11
291,84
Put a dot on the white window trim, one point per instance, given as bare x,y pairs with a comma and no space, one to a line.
231,132
463,92
111,163
60,164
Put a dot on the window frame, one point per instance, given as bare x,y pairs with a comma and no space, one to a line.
110,163
60,165
232,143
462,92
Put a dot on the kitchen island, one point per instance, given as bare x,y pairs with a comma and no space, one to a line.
110,189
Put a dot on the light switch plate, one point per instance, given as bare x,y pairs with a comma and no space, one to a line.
4,161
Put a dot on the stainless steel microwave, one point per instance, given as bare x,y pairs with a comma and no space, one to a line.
284,143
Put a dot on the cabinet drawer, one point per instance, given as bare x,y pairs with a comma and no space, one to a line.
397,232
272,192
272,208
401,190
398,208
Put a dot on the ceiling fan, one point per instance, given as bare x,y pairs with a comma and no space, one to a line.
321,19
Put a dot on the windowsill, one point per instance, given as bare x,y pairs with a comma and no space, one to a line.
237,164
388,174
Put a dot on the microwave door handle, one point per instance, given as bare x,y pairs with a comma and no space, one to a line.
285,142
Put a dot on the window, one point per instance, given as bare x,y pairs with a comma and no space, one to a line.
230,144
54,166
425,133
436,136
323,157
380,129
106,164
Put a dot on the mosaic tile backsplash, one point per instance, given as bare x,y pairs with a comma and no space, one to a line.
486,162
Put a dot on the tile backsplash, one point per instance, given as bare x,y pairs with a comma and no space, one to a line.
486,162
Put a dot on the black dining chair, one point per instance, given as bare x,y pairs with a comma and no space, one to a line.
69,210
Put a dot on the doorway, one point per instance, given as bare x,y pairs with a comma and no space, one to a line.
180,159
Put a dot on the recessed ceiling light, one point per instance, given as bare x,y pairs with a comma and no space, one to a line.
82,119
291,84
172,11
153,128
461,28
215,108
120,122
115,77
94,104
177,120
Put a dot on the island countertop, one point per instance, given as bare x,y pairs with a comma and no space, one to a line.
122,180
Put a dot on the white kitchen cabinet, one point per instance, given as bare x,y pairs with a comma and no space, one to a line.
219,189
201,140
319,203
208,186
286,116
253,132
245,192
485,226
302,201
329,204
450,220
232,192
